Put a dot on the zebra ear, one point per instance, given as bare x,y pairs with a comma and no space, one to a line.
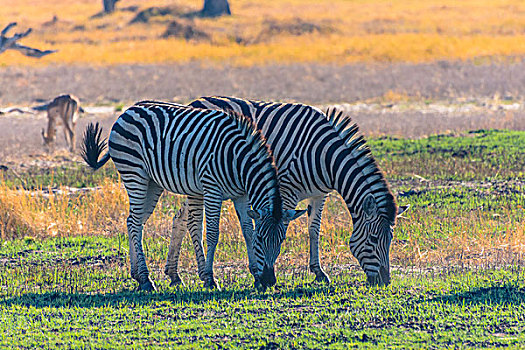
290,215
370,206
254,214
402,208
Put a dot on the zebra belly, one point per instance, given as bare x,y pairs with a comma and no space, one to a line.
178,180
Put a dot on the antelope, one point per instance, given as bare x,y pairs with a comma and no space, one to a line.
63,109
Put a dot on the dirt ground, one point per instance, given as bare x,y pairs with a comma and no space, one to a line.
427,98
309,83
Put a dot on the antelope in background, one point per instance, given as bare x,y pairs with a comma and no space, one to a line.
63,109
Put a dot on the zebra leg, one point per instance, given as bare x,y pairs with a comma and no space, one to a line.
315,212
195,217
242,205
212,207
193,222
143,198
178,231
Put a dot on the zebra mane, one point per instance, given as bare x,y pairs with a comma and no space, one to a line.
161,103
259,147
348,131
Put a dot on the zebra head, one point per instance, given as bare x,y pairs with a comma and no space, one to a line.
372,236
269,234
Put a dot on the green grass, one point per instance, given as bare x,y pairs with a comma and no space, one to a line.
53,303
478,155
73,175
457,280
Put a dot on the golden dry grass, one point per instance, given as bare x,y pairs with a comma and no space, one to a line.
347,31
34,214
467,238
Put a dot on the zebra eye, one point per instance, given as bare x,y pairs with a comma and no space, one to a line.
374,239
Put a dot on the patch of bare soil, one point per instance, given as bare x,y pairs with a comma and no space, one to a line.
21,139
419,186
415,119
442,97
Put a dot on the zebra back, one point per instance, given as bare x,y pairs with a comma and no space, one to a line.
323,152
250,154
296,131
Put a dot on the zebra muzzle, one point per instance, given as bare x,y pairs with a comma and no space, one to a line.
379,279
385,275
268,276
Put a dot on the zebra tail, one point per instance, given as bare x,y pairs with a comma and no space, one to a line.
93,145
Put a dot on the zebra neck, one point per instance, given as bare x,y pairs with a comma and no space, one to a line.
357,176
261,184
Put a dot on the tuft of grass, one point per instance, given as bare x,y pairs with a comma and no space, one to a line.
119,107
61,213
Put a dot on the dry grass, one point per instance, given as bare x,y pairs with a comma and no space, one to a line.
32,213
468,238
259,33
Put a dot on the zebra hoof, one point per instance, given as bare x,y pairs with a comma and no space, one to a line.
176,281
147,286
258,286
211,284
322,278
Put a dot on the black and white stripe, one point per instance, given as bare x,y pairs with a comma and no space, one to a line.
210,156
316,153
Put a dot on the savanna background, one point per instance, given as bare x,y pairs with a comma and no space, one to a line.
438,89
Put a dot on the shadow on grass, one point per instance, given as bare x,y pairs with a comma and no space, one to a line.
506,294
126,297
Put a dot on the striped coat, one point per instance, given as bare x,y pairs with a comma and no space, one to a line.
210,156
317,153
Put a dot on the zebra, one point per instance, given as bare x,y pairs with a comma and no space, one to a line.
210,156
317,153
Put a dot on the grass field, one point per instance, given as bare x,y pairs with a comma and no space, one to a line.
457,260
457,255
284,31
89,305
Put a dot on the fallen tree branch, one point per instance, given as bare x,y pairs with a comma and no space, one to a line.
10,43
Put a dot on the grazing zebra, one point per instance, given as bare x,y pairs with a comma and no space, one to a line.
317,153
210,156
